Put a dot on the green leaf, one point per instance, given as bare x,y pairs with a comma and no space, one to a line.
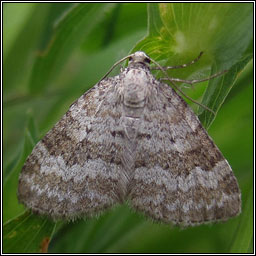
77,23
11,207
243,239
19,55
104,32
178,32
218,90
114,224
20,14
27,233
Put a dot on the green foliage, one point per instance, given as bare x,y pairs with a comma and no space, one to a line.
177,33
243,237
53,52
27,233
69,32
11,174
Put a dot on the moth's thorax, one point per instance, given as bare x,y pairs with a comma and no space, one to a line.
135,87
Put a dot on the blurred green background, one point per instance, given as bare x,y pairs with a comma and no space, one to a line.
54,52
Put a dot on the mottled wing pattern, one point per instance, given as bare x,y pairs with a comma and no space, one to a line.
180,175
130,138
75,169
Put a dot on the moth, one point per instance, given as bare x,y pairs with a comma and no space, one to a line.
130,138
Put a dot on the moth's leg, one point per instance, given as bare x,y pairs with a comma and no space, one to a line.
194,81
180,66
170,79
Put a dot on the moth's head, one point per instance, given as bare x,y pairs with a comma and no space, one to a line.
139,58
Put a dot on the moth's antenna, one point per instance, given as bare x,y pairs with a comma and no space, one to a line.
118,62
177,88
